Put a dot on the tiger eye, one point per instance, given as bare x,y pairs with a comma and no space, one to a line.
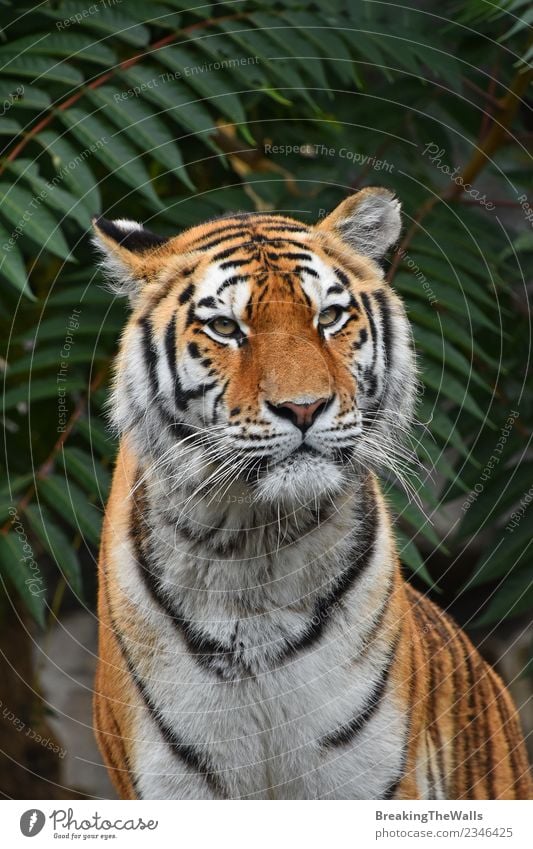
329,316
224,326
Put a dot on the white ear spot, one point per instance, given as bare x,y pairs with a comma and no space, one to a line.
374,226
127,225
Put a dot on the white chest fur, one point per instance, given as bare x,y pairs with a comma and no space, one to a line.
255,660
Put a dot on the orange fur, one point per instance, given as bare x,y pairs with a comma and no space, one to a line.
463,723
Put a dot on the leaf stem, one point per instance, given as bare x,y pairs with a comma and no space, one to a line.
103,78
492,141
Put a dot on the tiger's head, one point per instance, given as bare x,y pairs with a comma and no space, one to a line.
263,352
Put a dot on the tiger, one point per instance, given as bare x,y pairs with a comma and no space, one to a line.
257,637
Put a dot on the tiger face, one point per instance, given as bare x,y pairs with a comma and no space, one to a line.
262,351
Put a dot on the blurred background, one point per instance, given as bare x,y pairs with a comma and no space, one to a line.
171,113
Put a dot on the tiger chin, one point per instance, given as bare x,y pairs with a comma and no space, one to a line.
256,636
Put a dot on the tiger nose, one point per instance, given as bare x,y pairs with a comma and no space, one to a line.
301,415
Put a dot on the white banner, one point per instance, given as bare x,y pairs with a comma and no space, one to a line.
262,825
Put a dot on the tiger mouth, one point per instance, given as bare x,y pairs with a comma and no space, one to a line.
261,466
304,448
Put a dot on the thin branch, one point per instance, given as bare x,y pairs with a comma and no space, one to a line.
424,210
496,135
512,204
488,113
493,140
496,102
103,78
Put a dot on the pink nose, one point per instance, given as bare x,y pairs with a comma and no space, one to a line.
301,415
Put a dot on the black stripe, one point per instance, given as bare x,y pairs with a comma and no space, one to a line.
431,662
436,674
207,302
191,316
307,269
183,396
370,376
480,739
430,619
390,791
249,240
180,396
373,330
262,218
392,788
306,298
155,299
245,220
371,382
470,727
170,345
290,228
346,733
219,658
205,650
187,294
387,332
191,755
232,547
179,429
232,281
430,776
216,402
364,549
281,241
344,326
343,277
448,634
363,337
227,252
214,243
235,229
509,723
149,353
305,256
233,263
228,550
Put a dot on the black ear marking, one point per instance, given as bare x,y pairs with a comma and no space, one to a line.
128,234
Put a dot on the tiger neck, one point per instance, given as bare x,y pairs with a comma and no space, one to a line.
231,557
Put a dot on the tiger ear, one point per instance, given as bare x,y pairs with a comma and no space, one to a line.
125,246
368,221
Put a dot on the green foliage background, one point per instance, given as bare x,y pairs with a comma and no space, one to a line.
358,91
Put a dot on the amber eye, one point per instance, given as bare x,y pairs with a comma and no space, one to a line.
225,326
329,316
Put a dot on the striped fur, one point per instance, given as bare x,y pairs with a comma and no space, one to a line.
257,638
